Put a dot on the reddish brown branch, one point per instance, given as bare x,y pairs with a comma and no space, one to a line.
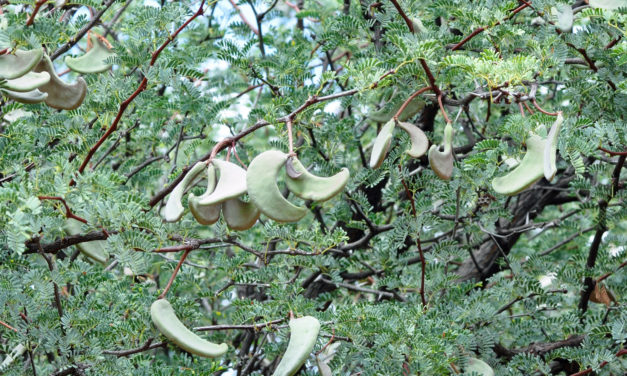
446,118
142,86
68,211
536,105
410,24
38,5
483,28
603,364
178,248
174,273
411,97
7,326
613,153
606,275
241,15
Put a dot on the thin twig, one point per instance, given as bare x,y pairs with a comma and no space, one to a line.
483,28
38,5
174,273
142,86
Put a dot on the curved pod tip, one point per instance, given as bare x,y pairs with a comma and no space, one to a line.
382,145
441,162
173,209
19,63
316,188
303,336
418,138
478,366
231,184
529,171
93,61
164,318
239,215
61,95
28,82
206,214
261,179
550,148
29,97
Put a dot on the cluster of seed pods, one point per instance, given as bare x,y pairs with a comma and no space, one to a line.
224,194
30,77
539,160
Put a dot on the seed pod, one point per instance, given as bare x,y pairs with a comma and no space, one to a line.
29,97
173,209
607,4
94,60
61,96
95,249
418,138
312,187
19,63
164,318
550,149
231,184
478,366
239,215
441,162
261,179
529,171
303,335
382,145
28,82
206,214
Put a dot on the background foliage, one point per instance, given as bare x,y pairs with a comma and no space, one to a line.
353,262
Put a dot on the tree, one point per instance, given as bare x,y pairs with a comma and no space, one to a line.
407,273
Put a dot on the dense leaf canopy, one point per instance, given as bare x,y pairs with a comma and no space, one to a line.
407,273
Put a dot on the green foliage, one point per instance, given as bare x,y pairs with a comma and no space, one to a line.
353,262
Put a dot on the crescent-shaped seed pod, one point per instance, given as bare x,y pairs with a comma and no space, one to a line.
303,335
93,61
173,209
28,82
441,162
382,145
231,184
17,64
239,215
311,187
529,171
29,97
418,138
478,366
206,214
164,318
550,149
61,96
261,179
